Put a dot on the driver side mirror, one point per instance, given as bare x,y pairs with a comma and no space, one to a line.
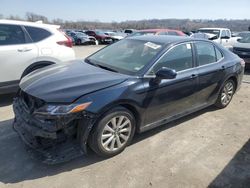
166,73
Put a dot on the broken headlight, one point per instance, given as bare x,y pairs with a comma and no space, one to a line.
61,109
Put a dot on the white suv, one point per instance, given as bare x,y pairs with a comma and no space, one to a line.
27,46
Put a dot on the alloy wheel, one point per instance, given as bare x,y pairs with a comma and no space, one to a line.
227,93
116,133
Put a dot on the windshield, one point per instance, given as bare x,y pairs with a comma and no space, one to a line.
100,33
127,56
210,31
81,34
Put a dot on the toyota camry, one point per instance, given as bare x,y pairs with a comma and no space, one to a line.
129,87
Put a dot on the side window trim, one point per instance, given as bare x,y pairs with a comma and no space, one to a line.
147,74
28,39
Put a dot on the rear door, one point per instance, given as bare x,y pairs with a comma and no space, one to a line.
211,71
16,52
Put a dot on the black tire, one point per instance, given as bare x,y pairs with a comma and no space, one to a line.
96,137
78,42
219,103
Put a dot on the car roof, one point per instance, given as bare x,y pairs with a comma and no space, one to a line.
165,39
25,23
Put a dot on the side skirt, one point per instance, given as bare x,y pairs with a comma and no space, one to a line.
172,118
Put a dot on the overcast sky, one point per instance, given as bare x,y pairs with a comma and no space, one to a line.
122,10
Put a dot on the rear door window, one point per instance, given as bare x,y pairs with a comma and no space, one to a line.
37,34
205,53
11,35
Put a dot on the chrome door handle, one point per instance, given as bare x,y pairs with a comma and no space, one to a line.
24,50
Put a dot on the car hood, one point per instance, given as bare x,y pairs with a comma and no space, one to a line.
65,83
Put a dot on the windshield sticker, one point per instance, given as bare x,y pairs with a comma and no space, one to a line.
152,45
188,46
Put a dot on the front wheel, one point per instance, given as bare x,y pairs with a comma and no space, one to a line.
78,42
226,94
113,132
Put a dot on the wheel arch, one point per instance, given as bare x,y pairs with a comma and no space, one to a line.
127,104
35,65
235,80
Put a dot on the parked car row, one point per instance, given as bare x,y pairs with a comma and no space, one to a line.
107,37
239,42
94,36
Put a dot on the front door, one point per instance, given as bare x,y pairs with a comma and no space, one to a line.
15,53
172,97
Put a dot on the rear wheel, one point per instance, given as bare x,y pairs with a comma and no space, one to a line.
226,94
113,132
78,42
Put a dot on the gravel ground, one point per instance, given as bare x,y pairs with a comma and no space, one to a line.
208,148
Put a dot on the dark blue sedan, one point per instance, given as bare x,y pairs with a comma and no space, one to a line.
131,86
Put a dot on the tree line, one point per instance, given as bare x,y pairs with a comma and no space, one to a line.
186,25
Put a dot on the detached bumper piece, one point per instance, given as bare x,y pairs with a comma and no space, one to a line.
52,139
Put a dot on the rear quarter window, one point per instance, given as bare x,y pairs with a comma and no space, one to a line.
219,55
37,34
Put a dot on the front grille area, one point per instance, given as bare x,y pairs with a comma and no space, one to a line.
31,103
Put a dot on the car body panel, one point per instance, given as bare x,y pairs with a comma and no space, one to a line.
59,86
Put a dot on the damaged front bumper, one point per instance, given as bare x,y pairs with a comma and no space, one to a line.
52,139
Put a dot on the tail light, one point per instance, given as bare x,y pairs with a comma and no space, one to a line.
242,62
68,42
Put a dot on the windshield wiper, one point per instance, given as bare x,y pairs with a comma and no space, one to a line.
106,68
89,62
100,66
